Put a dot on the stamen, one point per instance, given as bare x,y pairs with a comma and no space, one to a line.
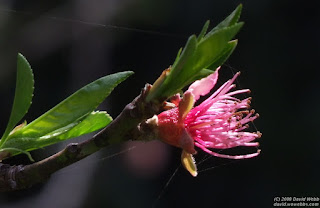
228,156
259,134
251,144
238,92
201,125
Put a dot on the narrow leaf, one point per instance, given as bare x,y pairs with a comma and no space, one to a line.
93,122
23,95
229,21
178,56
202,74
183,59
75,107
200,55
171,82
204,30
224,55
210,48
180,71
228,50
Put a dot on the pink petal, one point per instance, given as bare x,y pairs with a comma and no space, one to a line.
203,86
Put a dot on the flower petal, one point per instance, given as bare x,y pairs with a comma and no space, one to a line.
189,163
203,86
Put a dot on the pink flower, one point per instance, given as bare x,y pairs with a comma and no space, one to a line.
218,122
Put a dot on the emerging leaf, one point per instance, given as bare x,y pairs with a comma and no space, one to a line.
75,108
23,95
71,118
93,122
232,19
224,55
204,30
199,56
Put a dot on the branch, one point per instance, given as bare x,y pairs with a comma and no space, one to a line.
123,128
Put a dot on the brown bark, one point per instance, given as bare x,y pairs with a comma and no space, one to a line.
125,127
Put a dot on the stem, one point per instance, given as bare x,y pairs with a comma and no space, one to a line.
123,128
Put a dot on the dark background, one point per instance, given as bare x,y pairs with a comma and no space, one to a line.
71,43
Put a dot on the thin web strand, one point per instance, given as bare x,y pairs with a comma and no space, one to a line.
99,160
166,186
94,24
218,166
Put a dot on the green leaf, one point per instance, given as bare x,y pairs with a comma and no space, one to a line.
204,30
170,83
23,95
202,74
93,122
198,56
229,21
210,51
211,47
181,69
186,55
71,118
224,55
178,56
74,108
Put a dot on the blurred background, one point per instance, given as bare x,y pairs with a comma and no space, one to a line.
71,43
